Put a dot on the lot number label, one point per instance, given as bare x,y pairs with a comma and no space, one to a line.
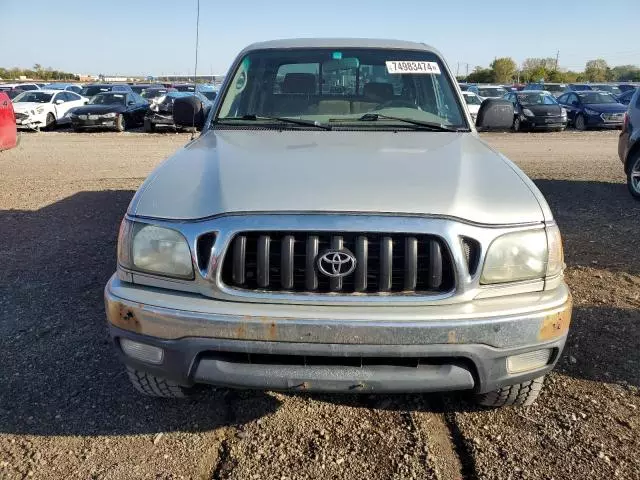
400,66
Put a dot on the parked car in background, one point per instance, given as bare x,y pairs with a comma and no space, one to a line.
473,102
160,111
42,108
463,86
22,86
625,87
555,89
534,109
69,87
625,97
579,87
11,92
488,91
629,145
118,110
592,109
155,92
208,91
607,87
96,88
184,87
8,131
140,88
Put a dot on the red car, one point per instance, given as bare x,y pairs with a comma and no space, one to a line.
8,132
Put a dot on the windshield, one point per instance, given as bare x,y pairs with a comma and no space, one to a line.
491,91
580,88
33,96
597,97
108,99
554,88
94,90
185,88
341,86
472,99
609,88
536,99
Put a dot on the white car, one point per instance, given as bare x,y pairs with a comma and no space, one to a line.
44,108
488,91
473,102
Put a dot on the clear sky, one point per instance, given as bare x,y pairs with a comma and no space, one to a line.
155,37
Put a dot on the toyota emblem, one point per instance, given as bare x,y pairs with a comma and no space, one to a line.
337,263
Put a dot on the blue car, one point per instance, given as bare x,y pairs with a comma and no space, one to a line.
593,109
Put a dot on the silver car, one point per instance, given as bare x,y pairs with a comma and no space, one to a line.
340,226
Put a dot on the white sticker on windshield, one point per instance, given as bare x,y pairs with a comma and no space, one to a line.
422,68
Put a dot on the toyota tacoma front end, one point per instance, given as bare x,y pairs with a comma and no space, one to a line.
339,226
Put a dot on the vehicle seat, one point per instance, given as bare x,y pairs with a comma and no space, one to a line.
373,93
295,99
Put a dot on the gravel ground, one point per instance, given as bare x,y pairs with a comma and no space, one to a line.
67,410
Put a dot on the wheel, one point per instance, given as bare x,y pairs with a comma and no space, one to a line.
517,125
153,386
522,394
633,176
121,123
580,125
50,122
149,127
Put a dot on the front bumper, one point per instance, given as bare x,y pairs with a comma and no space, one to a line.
544,123
31,121
108,122
597,121
276,346
165,119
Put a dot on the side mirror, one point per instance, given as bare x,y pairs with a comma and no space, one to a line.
58,102
131,102
188,112
495,114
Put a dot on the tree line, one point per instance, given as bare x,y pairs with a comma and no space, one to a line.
505,70
36,73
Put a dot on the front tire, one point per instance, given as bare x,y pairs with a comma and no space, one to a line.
517,125
580,123
149,127
50,122
633,176
121,123
153,386
520,394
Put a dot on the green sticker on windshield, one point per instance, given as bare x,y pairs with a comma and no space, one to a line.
337,55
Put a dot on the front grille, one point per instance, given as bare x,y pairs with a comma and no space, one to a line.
21,116
385,263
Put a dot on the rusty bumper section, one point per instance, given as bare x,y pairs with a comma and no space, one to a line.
503,322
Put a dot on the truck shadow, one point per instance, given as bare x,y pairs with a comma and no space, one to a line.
58,371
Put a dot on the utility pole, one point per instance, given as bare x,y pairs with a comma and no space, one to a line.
457,69
557,56
467,69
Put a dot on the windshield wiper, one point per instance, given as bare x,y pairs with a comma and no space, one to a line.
438,127
295,121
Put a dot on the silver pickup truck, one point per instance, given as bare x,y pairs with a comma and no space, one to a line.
340,226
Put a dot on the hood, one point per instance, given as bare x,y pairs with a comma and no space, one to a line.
28,106
544,110
99,109
421,173
607,107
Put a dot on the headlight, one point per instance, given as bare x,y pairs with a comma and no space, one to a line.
527,112
153,249
39,110
563,112
588,111
110,115
516,256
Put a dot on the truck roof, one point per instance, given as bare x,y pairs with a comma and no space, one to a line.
339,43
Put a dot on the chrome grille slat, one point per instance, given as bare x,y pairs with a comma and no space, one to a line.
385,263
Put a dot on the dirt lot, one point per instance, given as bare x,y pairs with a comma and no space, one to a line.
68,411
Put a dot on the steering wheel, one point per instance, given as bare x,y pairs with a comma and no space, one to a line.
397,103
